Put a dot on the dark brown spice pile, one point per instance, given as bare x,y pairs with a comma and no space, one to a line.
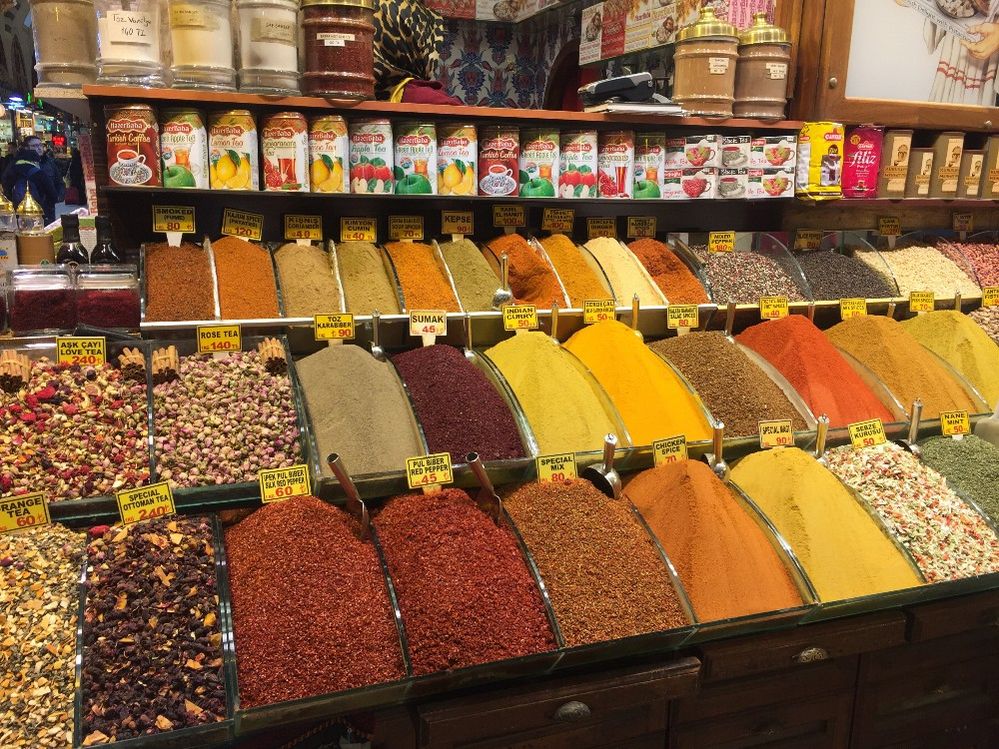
179,283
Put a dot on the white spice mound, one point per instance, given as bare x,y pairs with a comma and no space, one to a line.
625,273
918,268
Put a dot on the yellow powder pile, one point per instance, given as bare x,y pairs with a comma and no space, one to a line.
652,400
625,272
579,278
844,552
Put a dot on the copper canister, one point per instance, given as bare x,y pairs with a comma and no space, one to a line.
706,56
761,75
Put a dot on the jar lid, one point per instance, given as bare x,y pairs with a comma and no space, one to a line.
351,3
5,205
29,207
762,32
707,25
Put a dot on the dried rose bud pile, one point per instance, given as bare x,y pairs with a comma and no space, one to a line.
152,658
39,572
222,420
73,432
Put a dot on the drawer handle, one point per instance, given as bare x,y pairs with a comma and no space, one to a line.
572,711
768,729
812,655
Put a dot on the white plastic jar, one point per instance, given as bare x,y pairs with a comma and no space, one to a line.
202,42
268,46
128,39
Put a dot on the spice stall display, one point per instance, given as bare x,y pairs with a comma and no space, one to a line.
152,635
743,277
580,275
844,551
108,297
335,632
424,281
532,279
178,283
970,465
367,284
466,594
922,268
832,275
675,280
982,257
247,289
42,299
605,577
39,603
473,278
309,282
627,275
727,563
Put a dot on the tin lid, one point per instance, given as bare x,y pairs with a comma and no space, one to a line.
350,3
29,207
707,25
5,205
762,32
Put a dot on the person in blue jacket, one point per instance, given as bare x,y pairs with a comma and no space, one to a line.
26,171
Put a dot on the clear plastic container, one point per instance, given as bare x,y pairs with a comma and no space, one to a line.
107,296
203,45
42,300
65,36
268,46
339,49
128,40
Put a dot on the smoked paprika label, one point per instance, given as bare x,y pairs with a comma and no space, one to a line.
80,351
171,218
558,220
336,327
242,224
776,433
279,484
682,316
145,503
641,227
24,511
213,339
867,433
405,227
509,216
601,227
852,308
428,322
721,241
921,301
773,307
669,450
954,423
429,470
559,467
457,222
990,296
598,310
357,229
520,317
303,227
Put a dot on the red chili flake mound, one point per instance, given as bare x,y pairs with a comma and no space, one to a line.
465,592
310,607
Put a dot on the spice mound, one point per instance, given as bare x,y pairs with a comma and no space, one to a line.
246,280
907,369
306,621
39,575
743,277
358,409
733,386
308,285
562,404
918,268
367,285
459,409
988,320
179,283
815,369
603,572
652,400
947,538
843,550
982,258
474,279
466,594
532,279
832,275
674,279
578,276
73,432
971,465
626,274
424,283
725,560
152,658
222,420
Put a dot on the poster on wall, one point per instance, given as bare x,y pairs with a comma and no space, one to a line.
938,51
591,34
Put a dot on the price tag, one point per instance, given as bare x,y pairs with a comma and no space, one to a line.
242,224
867,433
457,222
807,239
428,322
520,317
357,230
145,503
303,227
889,226
954,423
721,241
773,307
561,467
213,339
23,511
406,227
963,222
338,327
682,316
428,470
641,226
852,308
776,433
598,310
990,296
509,216
179,218
81,351
279,484
601,227
921,301
669,450
558,220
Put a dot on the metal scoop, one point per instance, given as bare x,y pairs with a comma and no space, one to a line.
604,477
909,443
376,350
730,319
554,325
716,458
503,295
821,433
355,505
636,308
486,498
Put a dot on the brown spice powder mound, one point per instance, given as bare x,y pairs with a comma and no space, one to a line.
424,285
246,280
532,280
178,283
670,273
578,276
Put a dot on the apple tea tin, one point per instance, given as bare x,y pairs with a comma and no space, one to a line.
539,163
415,159
184,149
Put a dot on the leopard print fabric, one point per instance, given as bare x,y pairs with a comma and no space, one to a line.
408,42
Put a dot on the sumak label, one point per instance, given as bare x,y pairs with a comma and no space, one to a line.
955,423
24,511
559,467
776,433
279,484
669,450
428,322
337,327
79,351
213,339
145,503
867,433
429,470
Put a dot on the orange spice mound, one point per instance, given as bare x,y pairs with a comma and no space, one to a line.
578,276
670,273
424,284
532,281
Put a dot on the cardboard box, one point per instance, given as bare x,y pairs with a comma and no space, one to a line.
947,152
735,151
690,184
773,152
769,183
969,181
733,183
694,152
894,163
917,183
990,170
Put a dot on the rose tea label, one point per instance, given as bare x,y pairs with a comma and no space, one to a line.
682,316
428,322
171,218
145,503
601,227
336,327
429,470
598,310
559,467
954,423
357,229
520,317
457,222
669,450
406,227
852,308
558,220
867,433
279,484
303,227
81,351
773,307
776,433
23,511
640,227
213,339
242,224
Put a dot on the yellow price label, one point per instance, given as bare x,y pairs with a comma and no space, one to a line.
889,226
867,433
297,226
336,327
457,222
963,222
807,239
428,322
279,484
601,227
921,301
77,350
429,470
357,229
682,316
773,307
598,310
990,296
406,227
854,307
954,423
776,433
561,467
214,339
721,241
641,226
145,503
242,224
512,216
558,220
520,317
669,450
171,218
23,511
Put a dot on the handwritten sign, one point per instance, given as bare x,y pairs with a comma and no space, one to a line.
807,239
889,226
921,301
990,296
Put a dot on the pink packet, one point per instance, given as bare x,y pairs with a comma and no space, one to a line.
862,162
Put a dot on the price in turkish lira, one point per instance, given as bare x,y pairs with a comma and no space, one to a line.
558,220
81,351
406,227
669,450
807,239
219,339
509,216
520,317
561,467
242,224
457,222
641,227
601,227
173,218
721,241
598,310
279,484
776,433
681,316
23,511
921,301
336,327
145,503
990,296
773,307
429,470
361,229
854,307
303,227
428,322
889,226
867,433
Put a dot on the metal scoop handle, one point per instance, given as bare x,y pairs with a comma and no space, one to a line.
355,505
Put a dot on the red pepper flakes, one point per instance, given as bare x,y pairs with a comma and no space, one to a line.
465,592
310,608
